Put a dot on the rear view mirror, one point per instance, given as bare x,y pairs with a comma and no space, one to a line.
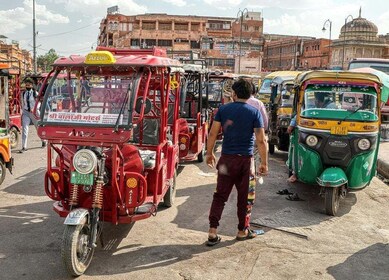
139,104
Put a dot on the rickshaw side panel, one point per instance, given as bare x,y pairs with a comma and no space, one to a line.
309,165
361,170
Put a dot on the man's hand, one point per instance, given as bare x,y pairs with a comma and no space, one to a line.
211,160
263,169
290,129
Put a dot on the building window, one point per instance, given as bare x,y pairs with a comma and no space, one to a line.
256,28
194,44
165,26
150,42
148,25
165,43
219,25
195,26
181,26
245,27
135,43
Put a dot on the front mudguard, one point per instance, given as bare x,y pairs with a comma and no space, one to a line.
77,216
332,177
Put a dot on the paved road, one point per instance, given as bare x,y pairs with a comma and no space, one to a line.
171,245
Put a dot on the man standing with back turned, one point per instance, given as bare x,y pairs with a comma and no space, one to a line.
239,122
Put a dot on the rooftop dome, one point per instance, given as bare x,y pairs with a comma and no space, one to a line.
359,24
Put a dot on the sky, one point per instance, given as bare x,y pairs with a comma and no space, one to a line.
72,26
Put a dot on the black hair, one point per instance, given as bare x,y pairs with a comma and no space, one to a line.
320,96
242,88
29,80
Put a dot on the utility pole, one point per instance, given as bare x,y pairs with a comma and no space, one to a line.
34,36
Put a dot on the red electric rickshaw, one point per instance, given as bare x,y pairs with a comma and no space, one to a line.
14,99
113,152
193,121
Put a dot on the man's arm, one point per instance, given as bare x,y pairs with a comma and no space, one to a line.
210,156
260,139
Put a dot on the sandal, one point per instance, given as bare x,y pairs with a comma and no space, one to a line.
294,197
213,241
284,191
250,235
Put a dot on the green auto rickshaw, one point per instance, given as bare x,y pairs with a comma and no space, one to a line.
335,140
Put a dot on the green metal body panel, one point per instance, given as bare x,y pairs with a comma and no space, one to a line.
332,177
361,170
308,163
325,114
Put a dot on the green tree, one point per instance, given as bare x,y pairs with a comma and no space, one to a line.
45,61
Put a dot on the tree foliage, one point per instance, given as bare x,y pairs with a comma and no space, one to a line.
45,61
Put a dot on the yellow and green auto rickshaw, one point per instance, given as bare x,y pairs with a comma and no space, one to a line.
264,90
280,111
6,160
335,141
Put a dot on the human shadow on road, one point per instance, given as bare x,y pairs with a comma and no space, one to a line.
369,263
114,260
30,183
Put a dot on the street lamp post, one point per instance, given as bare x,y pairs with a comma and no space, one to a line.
329,44
344,37
240,14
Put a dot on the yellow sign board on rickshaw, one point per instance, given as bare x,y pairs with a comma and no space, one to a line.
100,57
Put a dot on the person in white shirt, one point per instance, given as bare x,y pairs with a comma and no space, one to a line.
259,105
28,103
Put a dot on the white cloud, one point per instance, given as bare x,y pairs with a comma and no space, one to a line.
178,3
13,20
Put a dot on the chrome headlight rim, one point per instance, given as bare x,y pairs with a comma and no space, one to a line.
363,144
90,159
311,140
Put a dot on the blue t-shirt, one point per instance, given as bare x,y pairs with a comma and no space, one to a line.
238,121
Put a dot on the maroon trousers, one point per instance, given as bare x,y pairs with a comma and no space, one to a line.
232,170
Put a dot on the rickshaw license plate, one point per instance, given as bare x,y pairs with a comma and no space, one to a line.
339,130
81,179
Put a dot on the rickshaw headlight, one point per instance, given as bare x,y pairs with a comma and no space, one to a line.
284,122
84,161
311,140
364,144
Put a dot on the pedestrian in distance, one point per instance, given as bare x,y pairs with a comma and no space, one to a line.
259,105
29,98
239,122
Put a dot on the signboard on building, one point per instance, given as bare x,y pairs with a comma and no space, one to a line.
113,10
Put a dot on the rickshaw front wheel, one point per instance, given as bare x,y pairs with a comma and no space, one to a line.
271,149
168,199
76,254
332,199
13,137
2,171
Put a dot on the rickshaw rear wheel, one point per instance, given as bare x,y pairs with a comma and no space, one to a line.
76,254
271,149
13,137
332,199
168,199
2,171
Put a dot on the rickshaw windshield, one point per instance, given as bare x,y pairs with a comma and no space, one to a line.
215,91
338,102
287,96
265,86
89,99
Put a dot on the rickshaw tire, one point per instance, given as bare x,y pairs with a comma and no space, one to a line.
201,155
14,134
271,149
332,199
168,199
2,170
69,251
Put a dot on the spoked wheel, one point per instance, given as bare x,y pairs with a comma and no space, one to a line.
76,254
168,199
13,137
332,199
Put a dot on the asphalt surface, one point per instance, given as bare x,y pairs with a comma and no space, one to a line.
300,241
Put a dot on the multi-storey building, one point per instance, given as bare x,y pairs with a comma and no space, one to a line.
315,54
226,43
16,57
